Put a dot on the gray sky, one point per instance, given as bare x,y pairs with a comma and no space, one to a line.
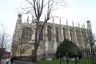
76,10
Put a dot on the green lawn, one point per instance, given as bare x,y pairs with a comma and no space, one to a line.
82,61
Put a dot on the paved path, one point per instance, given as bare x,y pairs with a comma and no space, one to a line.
17,62
3,61
23,62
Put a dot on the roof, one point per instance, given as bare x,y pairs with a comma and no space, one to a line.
2,49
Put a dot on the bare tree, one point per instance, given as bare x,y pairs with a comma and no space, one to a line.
4,37
39,9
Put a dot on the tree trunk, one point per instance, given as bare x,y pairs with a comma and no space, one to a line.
34,53
34,56
36,44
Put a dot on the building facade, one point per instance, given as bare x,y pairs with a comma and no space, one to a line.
52,35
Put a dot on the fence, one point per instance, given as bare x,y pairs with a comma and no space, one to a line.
86,58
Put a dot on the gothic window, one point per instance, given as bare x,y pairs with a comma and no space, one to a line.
84,34
64,33
71,34
57,34
49,33
26,33
87,33
90,36
81,33
41,35
77,35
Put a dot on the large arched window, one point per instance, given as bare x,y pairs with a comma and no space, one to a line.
26,33
57,34
64,33
49,33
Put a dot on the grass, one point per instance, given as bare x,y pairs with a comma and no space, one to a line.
81,61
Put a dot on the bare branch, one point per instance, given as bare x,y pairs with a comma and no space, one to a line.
4,37
30,3
37,11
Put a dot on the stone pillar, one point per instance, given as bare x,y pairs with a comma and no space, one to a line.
54,38
67,31
46,41
67,36
73,32
75,37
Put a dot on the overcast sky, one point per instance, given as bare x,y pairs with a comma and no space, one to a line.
76,10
